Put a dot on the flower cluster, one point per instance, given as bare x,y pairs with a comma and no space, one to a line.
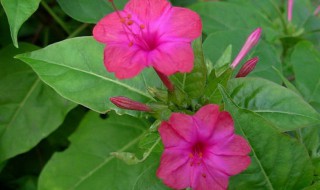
201,151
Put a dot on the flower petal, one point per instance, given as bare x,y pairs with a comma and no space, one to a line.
205,178
110,29
172,57
181,23
147,10
230,165
223,129
236,146
179,131
175,169
124,61
206,118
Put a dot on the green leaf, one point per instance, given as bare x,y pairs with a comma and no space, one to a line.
87,163
18,11
277,161
29,110
222,16
315,186
74,68
150,139
223,63
87,11
306,65
282,107
286,82
268,55
310,137
194,83
212,93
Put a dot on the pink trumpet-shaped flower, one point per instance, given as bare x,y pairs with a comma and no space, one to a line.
316,12
247,67
289,10
252,40
201,151
148,33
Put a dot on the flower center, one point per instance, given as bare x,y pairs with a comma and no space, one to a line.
138,34
197,153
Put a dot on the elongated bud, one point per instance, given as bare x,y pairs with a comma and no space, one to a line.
316,12
252,40
127,103
247,67
289,10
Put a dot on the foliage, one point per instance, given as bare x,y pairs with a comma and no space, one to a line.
58,129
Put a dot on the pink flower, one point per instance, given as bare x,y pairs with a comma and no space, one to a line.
148,33
252,40
201,151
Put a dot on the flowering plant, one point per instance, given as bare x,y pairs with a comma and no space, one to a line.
160,94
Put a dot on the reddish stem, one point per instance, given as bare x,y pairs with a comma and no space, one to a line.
164,78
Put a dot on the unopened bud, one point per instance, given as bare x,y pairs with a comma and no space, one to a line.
252,40
316,12
158,93
127,103
289,10
247,67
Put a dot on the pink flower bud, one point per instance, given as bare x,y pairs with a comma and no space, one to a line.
127,103
290,6
251,41
247,67
315,13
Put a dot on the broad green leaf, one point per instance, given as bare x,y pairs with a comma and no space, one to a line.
268,55
74,68
88,11
310,137
282,107
18,11
29,110
193,83
277,160
87,163
223,16
306,65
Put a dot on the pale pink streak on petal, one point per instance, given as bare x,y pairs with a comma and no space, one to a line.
180,23
147,10
206,118
175,169
251,41
236,145
172,57
124,61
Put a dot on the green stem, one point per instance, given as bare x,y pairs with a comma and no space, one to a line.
281,17
78,30
55,17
